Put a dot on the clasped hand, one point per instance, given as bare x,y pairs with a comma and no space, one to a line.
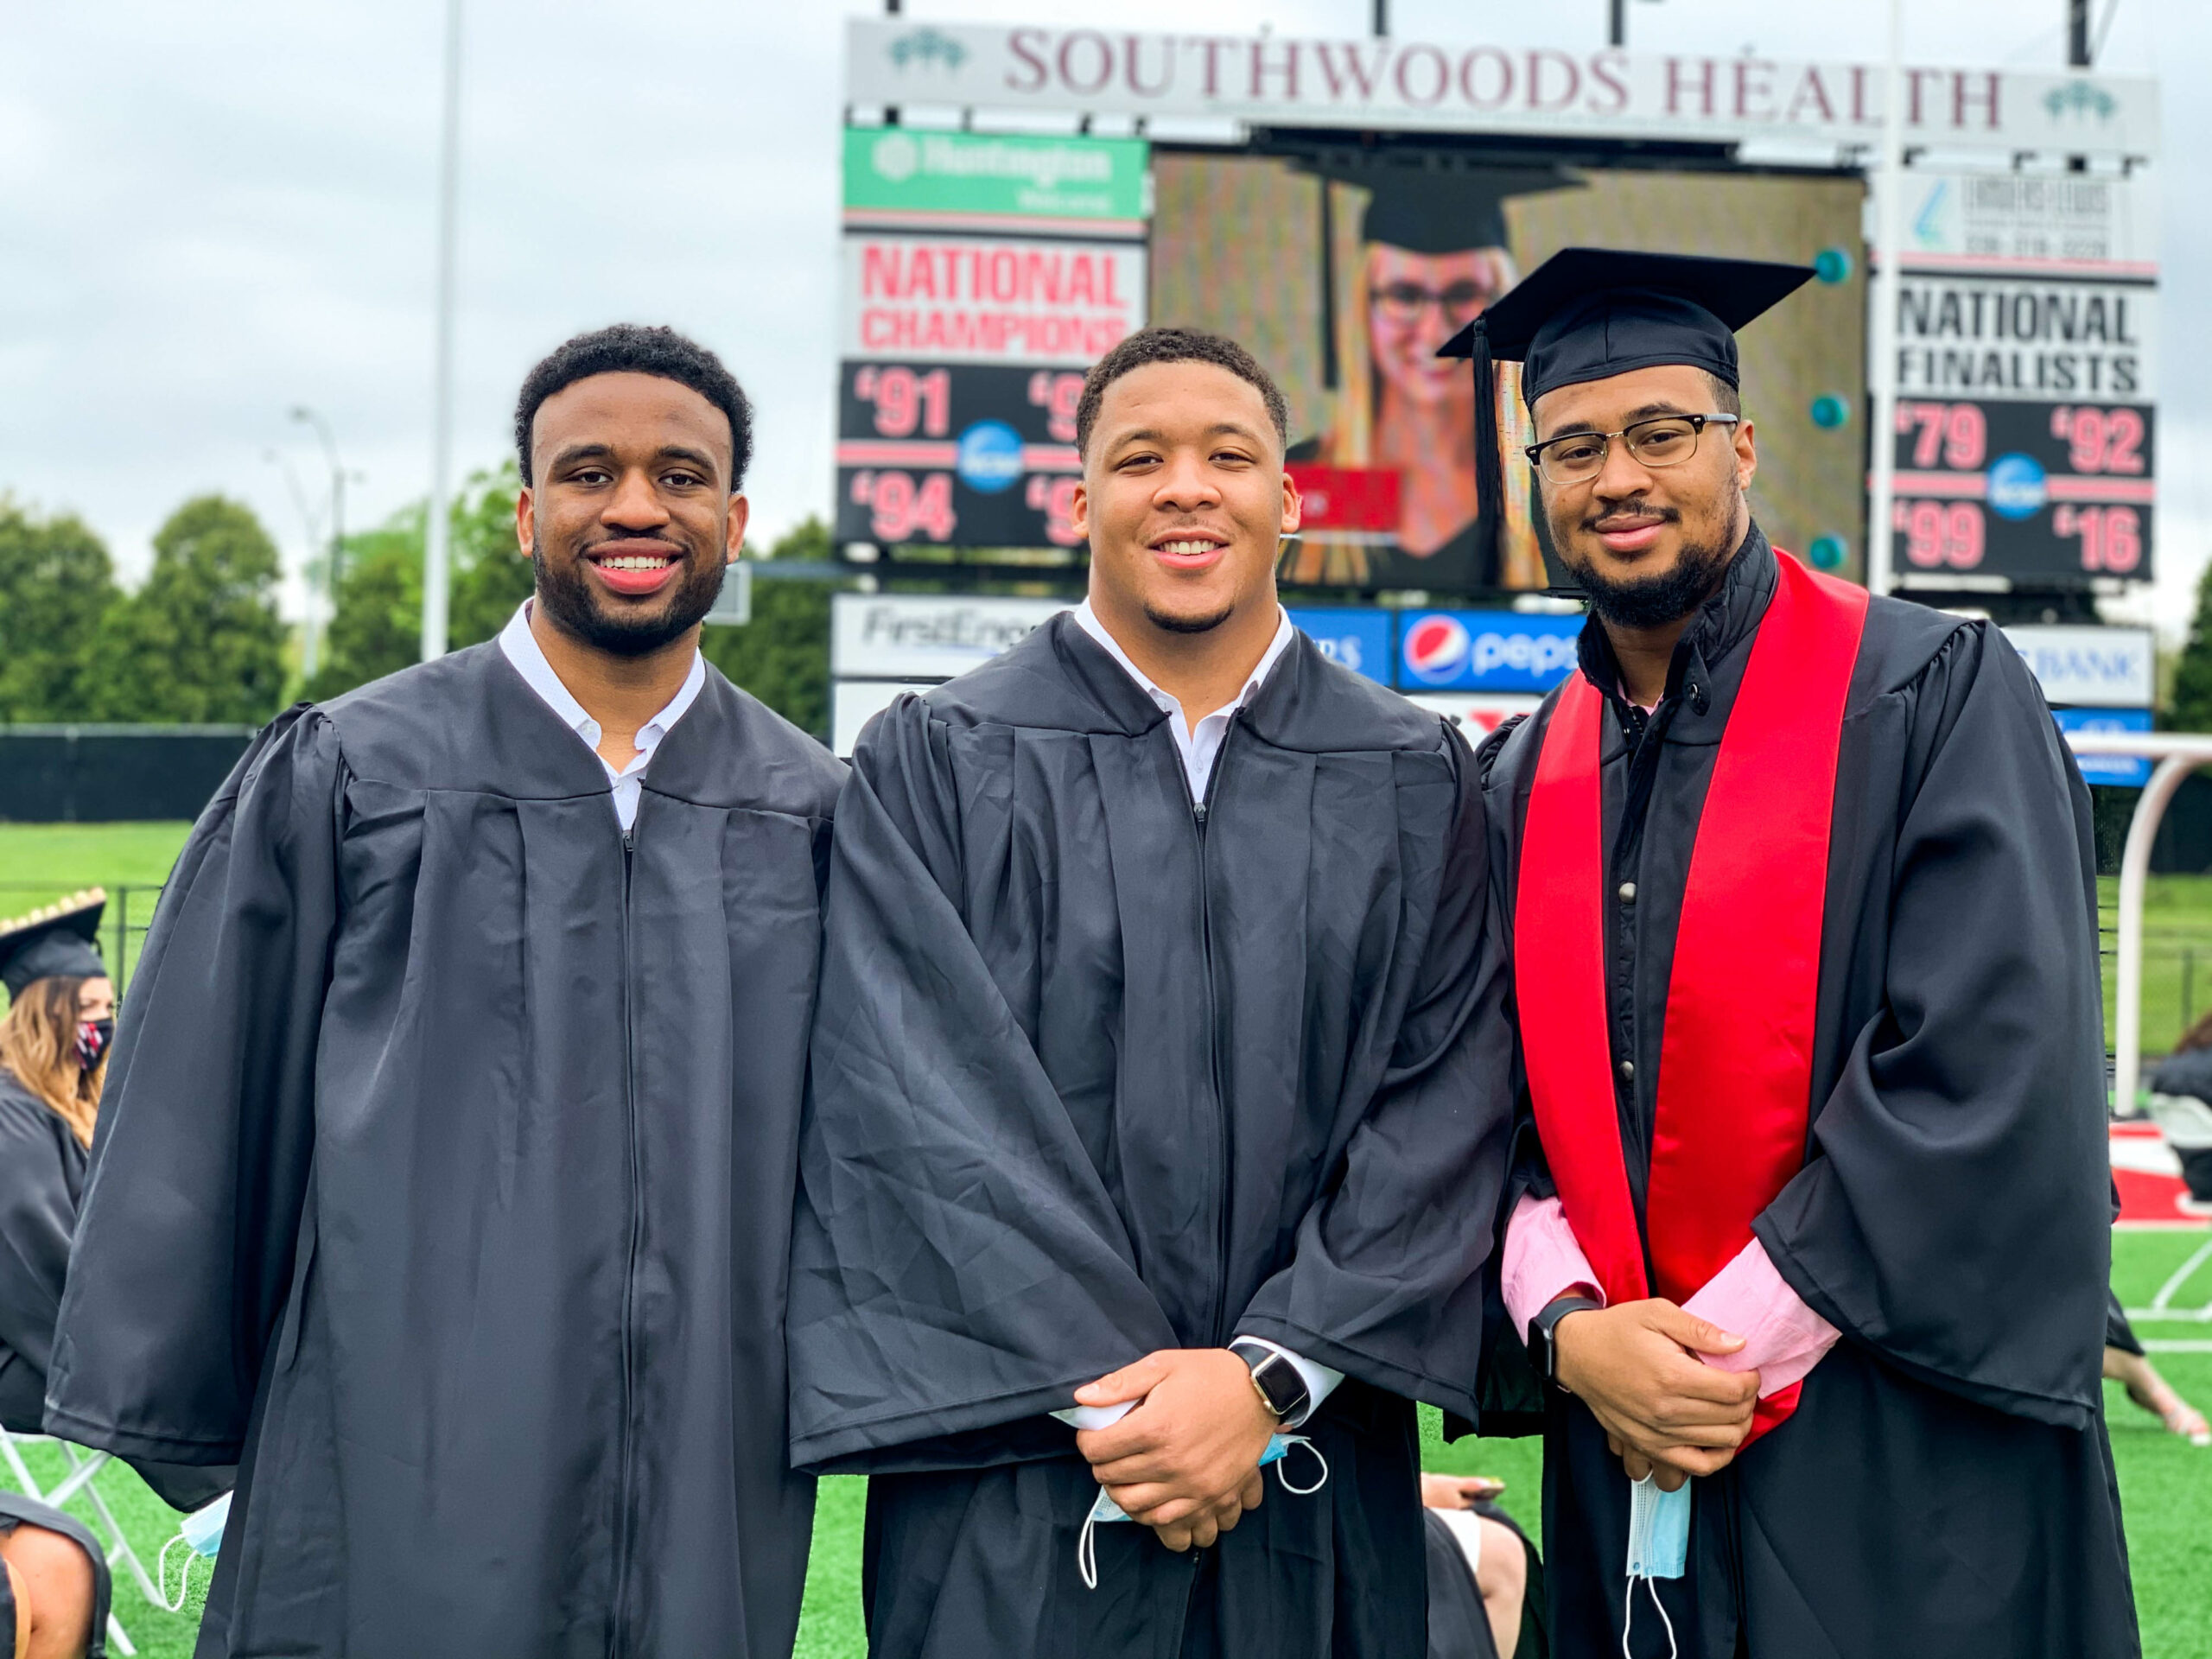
1185,1462
1665,1412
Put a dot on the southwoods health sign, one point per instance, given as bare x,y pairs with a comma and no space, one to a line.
1411,83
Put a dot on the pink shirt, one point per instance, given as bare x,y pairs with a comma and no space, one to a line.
1783,1338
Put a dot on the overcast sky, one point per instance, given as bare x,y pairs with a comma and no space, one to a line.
210,213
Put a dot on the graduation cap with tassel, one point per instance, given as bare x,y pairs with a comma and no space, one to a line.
1589,313
60,940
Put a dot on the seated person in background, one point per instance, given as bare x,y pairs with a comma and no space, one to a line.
2126,1364
1481,1571
54,1588
2184,1115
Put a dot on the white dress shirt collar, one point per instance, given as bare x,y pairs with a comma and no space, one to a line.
1198,746
521,648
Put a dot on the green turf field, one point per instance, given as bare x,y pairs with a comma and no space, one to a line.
2166,1484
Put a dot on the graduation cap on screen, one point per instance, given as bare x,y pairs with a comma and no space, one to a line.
1430,210
1589,313
59,941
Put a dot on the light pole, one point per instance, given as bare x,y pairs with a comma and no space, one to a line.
1889,285
436,551
321,606
311,521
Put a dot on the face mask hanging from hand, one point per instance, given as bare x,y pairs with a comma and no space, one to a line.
201,1534
1658,1547
1104,1509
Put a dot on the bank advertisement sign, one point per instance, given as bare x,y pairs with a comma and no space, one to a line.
893,171
2125,770
1485,650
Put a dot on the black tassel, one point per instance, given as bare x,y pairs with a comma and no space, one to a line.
1490,473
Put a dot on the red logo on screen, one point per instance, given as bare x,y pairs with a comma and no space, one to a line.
1348,499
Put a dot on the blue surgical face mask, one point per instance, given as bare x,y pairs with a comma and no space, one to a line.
1104,1509
1658,1547
201,1534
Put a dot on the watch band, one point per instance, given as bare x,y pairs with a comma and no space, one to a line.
1277,1382
1542,1347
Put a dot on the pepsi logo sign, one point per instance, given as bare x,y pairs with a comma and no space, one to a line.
1436,649
1492,651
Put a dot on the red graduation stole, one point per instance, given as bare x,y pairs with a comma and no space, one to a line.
1736,1058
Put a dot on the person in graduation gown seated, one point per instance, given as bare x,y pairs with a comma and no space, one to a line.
1160,1069
1813,1207
445,1176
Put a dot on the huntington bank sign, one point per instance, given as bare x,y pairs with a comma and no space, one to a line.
1414,84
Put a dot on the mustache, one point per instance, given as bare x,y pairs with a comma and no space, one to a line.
1634,508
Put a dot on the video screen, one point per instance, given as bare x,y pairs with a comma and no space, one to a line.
1344,273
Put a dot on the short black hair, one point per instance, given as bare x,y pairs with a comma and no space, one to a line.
635,348
1150,345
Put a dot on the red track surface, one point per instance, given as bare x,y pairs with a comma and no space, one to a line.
2149,1178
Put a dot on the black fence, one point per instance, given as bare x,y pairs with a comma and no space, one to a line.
112,774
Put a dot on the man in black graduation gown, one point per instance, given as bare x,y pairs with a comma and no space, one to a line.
1813,1202
444,1178
1159,1014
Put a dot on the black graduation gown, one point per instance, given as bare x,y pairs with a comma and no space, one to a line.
1094,1076
1945,1488
445,1175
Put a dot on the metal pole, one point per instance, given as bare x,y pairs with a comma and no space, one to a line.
1882,444
1382,18
2134,878
437,552
2077,33
1617,23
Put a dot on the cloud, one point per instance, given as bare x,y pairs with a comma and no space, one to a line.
218,212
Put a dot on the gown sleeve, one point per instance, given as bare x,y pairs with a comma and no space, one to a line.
1957,1219
184,1255
957,1265
1386,1283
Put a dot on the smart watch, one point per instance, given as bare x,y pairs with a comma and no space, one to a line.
1281,1390
1541,1348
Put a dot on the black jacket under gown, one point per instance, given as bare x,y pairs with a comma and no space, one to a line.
1944,1489
444,1180
1095,1074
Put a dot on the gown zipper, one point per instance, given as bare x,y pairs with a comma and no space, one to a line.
1200,809
625,1541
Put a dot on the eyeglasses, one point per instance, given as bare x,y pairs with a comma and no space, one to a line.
1662,440
1405,302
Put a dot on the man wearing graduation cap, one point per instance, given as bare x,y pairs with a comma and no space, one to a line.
1809,1217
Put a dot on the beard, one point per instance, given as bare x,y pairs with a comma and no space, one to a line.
1654,602
565,592
1174,624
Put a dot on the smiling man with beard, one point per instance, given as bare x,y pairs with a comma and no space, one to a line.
1809,1233
444,1176
1160,1038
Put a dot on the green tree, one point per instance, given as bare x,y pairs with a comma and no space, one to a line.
2189,707
782,655
57,586
200,640
376,628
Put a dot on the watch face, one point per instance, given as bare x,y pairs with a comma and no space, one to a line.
1280,1382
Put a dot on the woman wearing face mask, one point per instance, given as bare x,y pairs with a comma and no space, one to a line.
54,1043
